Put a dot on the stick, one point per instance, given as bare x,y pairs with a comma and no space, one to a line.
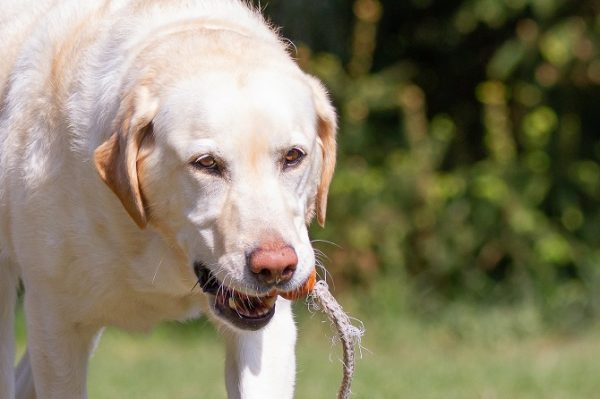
321,299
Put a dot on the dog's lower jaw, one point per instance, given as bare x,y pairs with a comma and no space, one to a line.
225,307
240,310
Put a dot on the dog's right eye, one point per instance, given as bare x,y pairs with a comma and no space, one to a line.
206,162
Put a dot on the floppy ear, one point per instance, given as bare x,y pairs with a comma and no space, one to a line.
116,158
326,129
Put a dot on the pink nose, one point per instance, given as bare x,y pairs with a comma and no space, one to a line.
273,262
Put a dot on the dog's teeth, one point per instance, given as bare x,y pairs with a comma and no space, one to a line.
232,304
269,301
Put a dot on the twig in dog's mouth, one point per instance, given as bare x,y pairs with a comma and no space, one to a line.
350,335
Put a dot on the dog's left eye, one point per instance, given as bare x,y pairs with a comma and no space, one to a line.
293,157
208,163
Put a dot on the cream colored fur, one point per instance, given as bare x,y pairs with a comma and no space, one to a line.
104,105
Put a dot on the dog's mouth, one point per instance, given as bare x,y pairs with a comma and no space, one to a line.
244,311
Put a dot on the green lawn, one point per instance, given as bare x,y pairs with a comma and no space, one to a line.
463,354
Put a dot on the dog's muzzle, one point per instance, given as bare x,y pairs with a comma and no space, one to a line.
243,311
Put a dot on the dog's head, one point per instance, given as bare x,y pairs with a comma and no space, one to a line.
231,165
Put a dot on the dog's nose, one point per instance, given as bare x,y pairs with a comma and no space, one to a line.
273,262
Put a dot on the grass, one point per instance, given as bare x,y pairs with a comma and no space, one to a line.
465,353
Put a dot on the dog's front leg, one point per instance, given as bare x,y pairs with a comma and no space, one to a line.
261,364
58,349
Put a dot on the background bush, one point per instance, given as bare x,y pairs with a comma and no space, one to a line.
469,161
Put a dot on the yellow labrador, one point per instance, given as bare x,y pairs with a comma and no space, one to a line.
147,146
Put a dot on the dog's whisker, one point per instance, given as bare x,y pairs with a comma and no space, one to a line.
319,257
326,275
156,271
325,242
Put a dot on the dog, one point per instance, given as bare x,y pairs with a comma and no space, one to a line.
159,160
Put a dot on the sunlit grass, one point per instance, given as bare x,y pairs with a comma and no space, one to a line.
466,353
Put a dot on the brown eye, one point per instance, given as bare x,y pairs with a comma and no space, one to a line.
293,157
206,162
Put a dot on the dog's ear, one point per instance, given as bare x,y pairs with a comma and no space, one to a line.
116,158
326,129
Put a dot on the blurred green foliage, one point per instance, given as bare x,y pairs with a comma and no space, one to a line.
469,161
